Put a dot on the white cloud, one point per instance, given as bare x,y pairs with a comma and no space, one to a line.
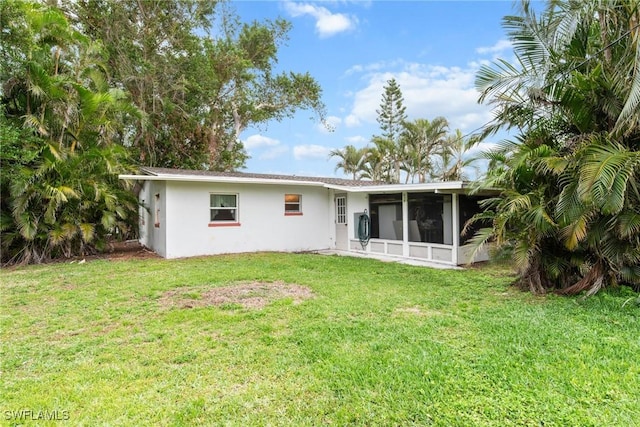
352,120
310,151
327,23
429,91
268,148
479,63
374,66
357,140
500,46
259,141
274,153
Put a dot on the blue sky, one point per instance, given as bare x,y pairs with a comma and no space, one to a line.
352,48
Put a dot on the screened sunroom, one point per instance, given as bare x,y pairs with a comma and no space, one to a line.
425,223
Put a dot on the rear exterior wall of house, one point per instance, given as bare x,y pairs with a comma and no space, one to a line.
152,216
198,218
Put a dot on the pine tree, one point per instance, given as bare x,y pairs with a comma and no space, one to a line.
392,117
392,112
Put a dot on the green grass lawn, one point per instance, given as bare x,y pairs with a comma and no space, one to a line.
378,344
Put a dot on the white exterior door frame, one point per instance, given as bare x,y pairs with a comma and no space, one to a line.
342,226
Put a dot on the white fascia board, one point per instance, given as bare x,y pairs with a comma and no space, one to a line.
219,179
137,177
338,187
436,187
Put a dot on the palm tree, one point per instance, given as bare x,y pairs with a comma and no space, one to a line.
350,160
389,157
420,140
63,196
374,166
454,161
570,207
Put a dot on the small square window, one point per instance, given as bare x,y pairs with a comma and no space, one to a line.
223,208
292,204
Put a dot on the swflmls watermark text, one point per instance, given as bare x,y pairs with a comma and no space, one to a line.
36,415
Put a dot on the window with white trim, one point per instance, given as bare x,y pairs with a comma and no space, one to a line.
292,204
223,207
341,210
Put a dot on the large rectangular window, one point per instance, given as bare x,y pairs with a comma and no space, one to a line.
386,216
430,218
223,208
293,204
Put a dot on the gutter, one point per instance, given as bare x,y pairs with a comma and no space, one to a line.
220,179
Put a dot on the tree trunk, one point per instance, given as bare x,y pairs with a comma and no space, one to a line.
603,35
213,147
592,282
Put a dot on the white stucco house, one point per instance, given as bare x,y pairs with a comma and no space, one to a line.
189,213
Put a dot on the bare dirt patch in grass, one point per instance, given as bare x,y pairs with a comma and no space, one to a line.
127,250
245,294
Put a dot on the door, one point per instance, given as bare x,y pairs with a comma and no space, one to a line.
342,237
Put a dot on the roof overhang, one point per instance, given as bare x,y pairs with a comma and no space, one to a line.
219,179
435,187
449,187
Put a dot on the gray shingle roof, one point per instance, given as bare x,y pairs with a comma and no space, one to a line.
325,180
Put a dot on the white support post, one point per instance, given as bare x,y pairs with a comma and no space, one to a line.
455,213
405,224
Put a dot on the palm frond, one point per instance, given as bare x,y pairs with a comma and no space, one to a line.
69,230
630,274
39,81
516,202
540,219
32,121
569,205
523,254
604,175
575,232
108,220
628,224
629,115
480,240
27,225
503,80
87,232
567,25
57,236
553,165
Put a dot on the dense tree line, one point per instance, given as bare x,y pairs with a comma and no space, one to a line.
421,150
92,88
569,211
